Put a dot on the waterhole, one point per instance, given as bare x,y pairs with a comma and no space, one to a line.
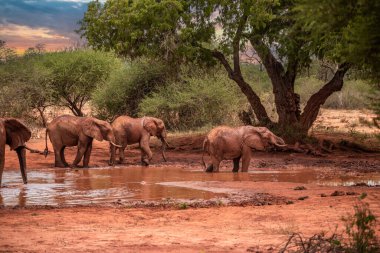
55,187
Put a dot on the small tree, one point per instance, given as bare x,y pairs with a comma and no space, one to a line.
6,53
75,74
25,87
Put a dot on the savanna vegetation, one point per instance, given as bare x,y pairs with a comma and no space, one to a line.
202,63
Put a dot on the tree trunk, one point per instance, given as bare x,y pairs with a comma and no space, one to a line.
286,100
43,119
312,107
253,98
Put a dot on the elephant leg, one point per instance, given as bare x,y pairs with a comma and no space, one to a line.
57,156
246,158
81,150
215,164
62,153
2,159
146,153
87,154
121,154
210,168
236,164
21,153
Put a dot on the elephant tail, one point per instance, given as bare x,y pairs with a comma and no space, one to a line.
46,151
205,149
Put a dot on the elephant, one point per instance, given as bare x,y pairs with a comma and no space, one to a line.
68,131
14,134
227,143
138,130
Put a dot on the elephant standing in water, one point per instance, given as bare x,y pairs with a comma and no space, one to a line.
138,130
227,143
15,134
68,131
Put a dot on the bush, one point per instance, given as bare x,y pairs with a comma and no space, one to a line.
200,100
36,81
127,86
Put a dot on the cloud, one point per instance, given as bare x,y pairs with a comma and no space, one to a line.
28,21
29,33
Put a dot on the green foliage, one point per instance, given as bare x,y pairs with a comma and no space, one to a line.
25,86
75,74
127,86
360,235
360,229
143,28
286,35
344,31
38,80
6,54
183,205
200,100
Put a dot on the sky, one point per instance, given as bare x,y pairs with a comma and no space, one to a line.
25,23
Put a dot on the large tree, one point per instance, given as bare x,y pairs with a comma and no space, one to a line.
219,30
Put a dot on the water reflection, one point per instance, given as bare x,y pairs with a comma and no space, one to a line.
106,185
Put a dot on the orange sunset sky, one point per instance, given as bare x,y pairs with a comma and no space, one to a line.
25,23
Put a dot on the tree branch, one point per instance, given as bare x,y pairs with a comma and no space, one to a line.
315,102
236,43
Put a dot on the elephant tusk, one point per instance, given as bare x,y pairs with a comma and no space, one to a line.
118,146
281,145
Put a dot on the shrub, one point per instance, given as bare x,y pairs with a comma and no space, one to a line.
198,101
127,86
360,229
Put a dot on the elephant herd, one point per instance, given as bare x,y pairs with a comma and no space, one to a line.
221,143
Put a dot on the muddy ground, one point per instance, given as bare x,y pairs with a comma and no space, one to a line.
175,206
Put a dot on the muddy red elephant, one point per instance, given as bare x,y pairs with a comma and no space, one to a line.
139,130
14,134
68,131
227,143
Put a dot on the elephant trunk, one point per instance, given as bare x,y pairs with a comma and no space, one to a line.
22,160
165,144
277,141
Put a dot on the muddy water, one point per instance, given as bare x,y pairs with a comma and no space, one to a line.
106,185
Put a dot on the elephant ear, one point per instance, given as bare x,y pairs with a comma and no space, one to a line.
255,141
17,133
91,129
151,126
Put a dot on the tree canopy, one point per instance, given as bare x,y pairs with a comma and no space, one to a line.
286,35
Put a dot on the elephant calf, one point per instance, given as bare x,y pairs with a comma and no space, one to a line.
14,134
138,130
227,143
68,131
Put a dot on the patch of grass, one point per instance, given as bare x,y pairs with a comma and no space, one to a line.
299,188
183,205
359,231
